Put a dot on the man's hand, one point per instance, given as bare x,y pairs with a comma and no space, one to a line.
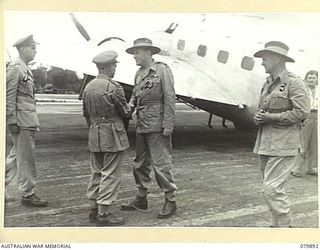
167,132
14,128
132,109
88,121
262,118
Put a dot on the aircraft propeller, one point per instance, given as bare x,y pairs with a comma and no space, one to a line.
80,28
85,34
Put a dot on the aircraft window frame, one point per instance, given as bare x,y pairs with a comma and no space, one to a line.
223,56
202,50
247,63
181,44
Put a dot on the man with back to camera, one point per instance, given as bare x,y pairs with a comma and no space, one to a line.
104,106
283,105
22,121
154,98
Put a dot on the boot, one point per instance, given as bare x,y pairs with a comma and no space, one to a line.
8,198
33,201
139,203
169,209
109,220
93,214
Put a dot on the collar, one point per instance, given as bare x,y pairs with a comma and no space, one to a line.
103,76
21,62
152,67
282,75
25,67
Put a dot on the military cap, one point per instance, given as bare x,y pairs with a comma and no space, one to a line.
25,41
144,43
105,58
275,47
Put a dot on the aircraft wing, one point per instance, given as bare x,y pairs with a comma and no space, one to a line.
194,83
189,80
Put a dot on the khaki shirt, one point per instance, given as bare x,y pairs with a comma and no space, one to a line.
20,103
314,99
286,97
154,97
104,104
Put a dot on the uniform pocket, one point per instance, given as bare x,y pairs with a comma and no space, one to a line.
279,104
142,121
150,83
106,136
285,137
154,115
93,138
121,134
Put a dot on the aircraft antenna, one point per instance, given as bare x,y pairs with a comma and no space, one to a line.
9,55
171,28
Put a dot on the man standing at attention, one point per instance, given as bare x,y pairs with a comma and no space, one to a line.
104,106
154,98
22,121
284,104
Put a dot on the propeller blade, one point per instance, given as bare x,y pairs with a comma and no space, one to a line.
109,39
80,28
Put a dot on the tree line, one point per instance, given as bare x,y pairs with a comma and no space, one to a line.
56,80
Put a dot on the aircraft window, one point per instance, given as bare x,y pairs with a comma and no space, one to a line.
247,63
223,56
181,44
202,50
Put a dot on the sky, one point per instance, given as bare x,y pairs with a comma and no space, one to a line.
57,34
56,28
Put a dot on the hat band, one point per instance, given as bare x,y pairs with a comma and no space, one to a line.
143,45
277,49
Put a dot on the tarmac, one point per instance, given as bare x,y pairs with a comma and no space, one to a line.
217,174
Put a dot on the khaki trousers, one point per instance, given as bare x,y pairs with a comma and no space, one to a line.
154,150
105,177
275,172
310,135
21,161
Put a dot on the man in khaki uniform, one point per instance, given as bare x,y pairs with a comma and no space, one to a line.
22,122
283,105
154,99
309,159
104,107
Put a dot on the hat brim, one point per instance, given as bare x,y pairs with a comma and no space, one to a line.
260,54
106,63
26,45
153,49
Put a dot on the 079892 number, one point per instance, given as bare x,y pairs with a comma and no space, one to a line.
313,246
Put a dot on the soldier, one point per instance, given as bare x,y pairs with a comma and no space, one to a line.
309,159
283,105
154,98
22,123
104,107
